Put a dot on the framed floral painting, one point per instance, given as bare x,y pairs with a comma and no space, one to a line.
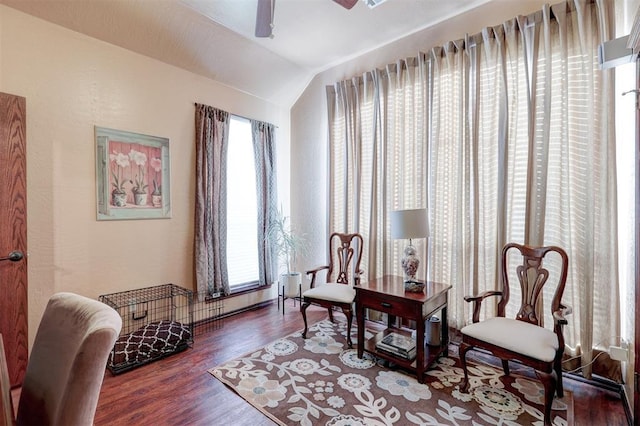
132,175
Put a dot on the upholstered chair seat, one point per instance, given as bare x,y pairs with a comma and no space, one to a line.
518,336
332,292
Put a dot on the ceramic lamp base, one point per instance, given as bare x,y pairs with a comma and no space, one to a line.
410,263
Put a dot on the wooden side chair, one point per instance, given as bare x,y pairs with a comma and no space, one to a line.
525,338
343,272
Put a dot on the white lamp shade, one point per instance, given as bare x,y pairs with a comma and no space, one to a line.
409,224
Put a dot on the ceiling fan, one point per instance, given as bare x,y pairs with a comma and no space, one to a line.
264,16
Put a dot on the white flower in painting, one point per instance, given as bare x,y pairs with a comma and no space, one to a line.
119,158
261,391
121,161
399,384
156,164
304,366
140,158
354,382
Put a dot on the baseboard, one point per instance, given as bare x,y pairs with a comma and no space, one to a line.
253,307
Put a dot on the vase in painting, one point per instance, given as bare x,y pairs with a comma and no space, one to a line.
140,199
119,198
156,199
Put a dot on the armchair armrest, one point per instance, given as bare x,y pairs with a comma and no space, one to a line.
560,315
477,302
313,272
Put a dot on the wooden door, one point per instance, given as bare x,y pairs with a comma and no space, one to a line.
13,235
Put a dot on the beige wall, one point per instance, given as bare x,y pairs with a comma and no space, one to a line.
72,83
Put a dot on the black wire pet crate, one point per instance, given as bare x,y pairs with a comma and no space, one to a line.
156,322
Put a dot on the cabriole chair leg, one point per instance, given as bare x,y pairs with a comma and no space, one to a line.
303,310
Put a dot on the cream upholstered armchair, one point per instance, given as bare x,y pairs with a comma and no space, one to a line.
524,338
67,362
343,272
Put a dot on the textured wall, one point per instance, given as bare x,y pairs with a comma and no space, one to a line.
71,83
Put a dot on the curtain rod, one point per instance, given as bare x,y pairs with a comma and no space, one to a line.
238,115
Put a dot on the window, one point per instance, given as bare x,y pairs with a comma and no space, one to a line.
242,210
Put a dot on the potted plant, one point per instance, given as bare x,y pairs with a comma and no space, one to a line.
118,195
288,244
139,186
156,195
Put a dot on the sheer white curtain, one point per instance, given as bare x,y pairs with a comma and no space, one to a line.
378,157
505,136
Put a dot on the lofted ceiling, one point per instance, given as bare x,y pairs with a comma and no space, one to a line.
215,38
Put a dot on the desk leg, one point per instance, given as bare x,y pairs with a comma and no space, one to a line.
420,364
445,330
360,322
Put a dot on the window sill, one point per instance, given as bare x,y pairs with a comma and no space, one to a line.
247,288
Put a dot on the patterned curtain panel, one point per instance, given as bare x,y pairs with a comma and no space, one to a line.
504,136
264,148
212,138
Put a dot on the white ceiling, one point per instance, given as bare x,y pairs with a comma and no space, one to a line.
215,38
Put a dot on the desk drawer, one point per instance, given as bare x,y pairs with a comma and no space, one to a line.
384,303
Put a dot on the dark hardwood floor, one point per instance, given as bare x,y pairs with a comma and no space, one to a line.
178,390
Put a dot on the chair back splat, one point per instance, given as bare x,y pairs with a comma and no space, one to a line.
524,338
345,252
342,273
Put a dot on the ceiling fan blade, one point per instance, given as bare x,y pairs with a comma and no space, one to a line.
264,18
348,4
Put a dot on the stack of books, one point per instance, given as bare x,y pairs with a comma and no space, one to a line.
398,345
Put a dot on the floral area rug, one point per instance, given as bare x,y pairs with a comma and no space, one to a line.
318,381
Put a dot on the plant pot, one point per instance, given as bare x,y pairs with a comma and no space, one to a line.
156,200
140,199
291,283
119,198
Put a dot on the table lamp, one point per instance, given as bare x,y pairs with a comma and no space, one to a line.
410,224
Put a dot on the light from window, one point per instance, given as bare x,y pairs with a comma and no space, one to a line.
242,211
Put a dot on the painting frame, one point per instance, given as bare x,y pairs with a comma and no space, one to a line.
132,175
